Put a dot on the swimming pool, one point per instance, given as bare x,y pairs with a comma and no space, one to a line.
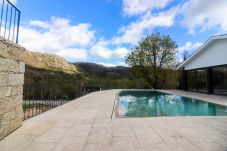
132,103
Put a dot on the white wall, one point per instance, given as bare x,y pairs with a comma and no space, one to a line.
213,55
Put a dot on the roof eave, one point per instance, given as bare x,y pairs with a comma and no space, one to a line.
207,43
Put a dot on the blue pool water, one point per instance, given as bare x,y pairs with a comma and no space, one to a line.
133,103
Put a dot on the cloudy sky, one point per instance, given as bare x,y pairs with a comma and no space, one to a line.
104,31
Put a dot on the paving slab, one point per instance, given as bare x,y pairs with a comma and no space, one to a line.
87,124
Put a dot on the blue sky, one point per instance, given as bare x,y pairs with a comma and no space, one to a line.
104,31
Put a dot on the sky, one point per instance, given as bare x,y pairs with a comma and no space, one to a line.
104,31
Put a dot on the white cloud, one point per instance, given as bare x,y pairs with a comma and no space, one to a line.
137,7
39,23
77,54
13,1
106,64
118,63
5,3
73,42
204,15
189,46
101,50
57,36
136,30
187,49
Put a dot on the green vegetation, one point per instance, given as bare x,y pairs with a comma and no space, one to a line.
43,83
151,66
35,106
153,60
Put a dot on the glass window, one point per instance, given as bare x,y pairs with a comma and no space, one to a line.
201,80
197,80
220,80
191,80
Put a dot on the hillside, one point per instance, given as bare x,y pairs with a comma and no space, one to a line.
93,69
48,71
49,62
44,72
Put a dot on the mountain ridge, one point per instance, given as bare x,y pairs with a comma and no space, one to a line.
94,69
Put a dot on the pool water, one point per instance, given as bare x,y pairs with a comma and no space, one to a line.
134,103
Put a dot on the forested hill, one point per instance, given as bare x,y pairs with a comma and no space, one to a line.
93,69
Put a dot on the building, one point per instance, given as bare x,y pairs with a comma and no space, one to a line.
206,69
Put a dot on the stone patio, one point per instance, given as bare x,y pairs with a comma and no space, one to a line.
85,124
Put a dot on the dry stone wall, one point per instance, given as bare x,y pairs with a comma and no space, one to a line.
12,68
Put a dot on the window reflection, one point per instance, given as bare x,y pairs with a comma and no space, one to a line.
197,80
201,81
220,80
191,80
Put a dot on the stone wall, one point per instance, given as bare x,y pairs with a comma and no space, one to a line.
12,68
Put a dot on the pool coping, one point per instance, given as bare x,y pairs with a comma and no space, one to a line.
172,92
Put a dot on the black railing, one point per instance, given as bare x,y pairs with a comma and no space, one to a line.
39,98
9,21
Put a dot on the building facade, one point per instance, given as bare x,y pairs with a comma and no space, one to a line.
206,70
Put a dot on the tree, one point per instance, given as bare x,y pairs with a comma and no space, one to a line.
152,59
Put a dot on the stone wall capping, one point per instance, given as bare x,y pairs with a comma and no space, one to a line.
12,44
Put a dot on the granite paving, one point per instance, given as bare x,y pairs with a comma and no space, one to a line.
89,124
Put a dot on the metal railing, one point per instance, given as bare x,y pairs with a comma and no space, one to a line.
39,98
9,21
34,107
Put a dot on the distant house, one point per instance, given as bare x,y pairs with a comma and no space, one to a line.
206,69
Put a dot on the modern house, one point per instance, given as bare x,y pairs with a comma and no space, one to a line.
206,69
